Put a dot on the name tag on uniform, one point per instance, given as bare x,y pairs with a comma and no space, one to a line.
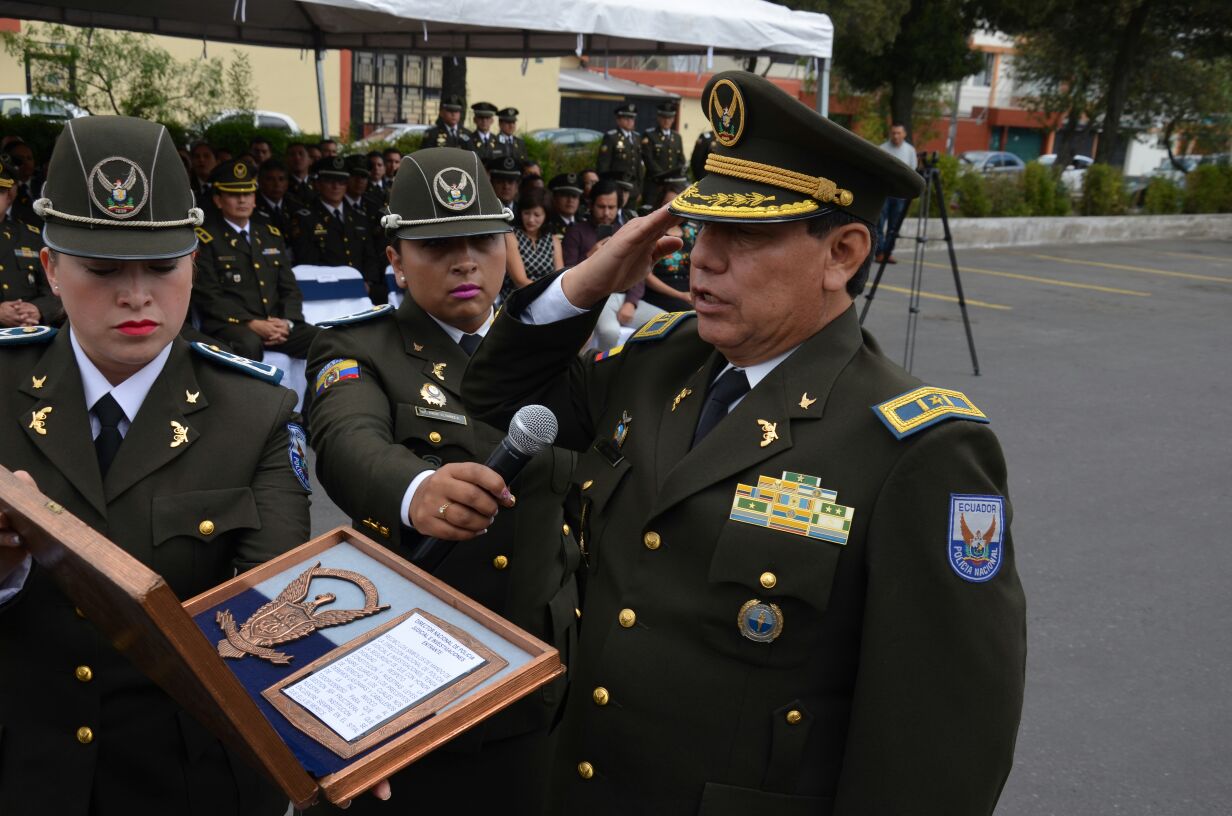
444,416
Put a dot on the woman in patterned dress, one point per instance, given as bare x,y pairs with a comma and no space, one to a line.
531,250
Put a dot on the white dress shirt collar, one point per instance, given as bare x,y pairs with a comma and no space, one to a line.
455,334
130,394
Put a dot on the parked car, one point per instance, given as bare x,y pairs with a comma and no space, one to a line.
1072,175
1168,170
572,140
271,120
389,133
993,161
28,105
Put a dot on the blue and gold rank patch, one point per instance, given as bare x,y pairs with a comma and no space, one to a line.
923,407
336,371
794,503
661,326
21,335
298,451
977,530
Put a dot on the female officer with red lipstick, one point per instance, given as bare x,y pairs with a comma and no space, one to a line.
187,457
398,451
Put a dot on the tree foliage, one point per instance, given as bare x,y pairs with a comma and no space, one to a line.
120,72
1123,65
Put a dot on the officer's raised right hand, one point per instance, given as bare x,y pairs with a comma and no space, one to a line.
626,258
459,501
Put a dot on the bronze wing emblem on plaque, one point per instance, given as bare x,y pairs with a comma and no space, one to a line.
291,616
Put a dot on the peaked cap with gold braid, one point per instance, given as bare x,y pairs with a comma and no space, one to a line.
775,159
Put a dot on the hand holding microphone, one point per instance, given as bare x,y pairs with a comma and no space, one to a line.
460,500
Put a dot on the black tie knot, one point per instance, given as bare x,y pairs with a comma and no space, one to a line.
728,388
469,343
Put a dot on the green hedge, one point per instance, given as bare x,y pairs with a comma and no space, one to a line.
1208,189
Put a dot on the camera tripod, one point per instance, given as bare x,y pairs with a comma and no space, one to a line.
932,194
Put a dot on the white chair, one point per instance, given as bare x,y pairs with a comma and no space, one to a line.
331,291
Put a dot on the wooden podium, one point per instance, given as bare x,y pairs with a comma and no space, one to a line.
247,701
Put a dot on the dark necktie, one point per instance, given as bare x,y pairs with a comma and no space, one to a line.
469,343
726,390
109,414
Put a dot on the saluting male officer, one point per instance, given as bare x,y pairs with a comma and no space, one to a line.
802,595
398,451
329,232
483,140
448,130
662,151
245,293
620,151
26,298
511,143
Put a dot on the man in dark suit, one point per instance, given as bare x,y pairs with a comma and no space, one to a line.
802,594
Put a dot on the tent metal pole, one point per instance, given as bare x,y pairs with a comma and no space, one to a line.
321,93
823,89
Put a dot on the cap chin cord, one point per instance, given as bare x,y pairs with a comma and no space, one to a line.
44,208
394,221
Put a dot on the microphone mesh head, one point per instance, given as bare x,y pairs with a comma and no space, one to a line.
532,429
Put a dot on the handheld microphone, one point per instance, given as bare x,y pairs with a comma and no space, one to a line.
532,429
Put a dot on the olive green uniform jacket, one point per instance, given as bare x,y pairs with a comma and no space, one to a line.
660,153
21,272
372,436
622,152
240,280
894,686
57,672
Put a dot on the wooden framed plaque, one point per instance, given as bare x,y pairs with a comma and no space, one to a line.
330,667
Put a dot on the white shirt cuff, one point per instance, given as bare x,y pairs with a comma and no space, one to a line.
410,494
551,307
16,580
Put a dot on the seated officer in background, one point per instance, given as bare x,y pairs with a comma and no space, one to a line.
398,452
329,232
802,595
566,190
26,298
245,293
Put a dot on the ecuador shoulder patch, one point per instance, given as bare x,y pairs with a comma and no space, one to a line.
358,317
262,371
24,335
661,326
919,409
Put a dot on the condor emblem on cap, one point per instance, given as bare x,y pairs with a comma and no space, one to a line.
726,112
454,188
118,187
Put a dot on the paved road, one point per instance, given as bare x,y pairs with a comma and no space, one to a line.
1107,371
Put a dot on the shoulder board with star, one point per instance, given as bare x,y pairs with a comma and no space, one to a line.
661,326
26,335
924,407
203,234
262,371
358,317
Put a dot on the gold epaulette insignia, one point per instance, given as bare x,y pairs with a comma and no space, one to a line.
916,410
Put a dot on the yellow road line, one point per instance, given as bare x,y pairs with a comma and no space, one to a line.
1169,273
1048,281
1215,258
950,298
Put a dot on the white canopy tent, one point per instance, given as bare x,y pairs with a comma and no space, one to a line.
481,28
